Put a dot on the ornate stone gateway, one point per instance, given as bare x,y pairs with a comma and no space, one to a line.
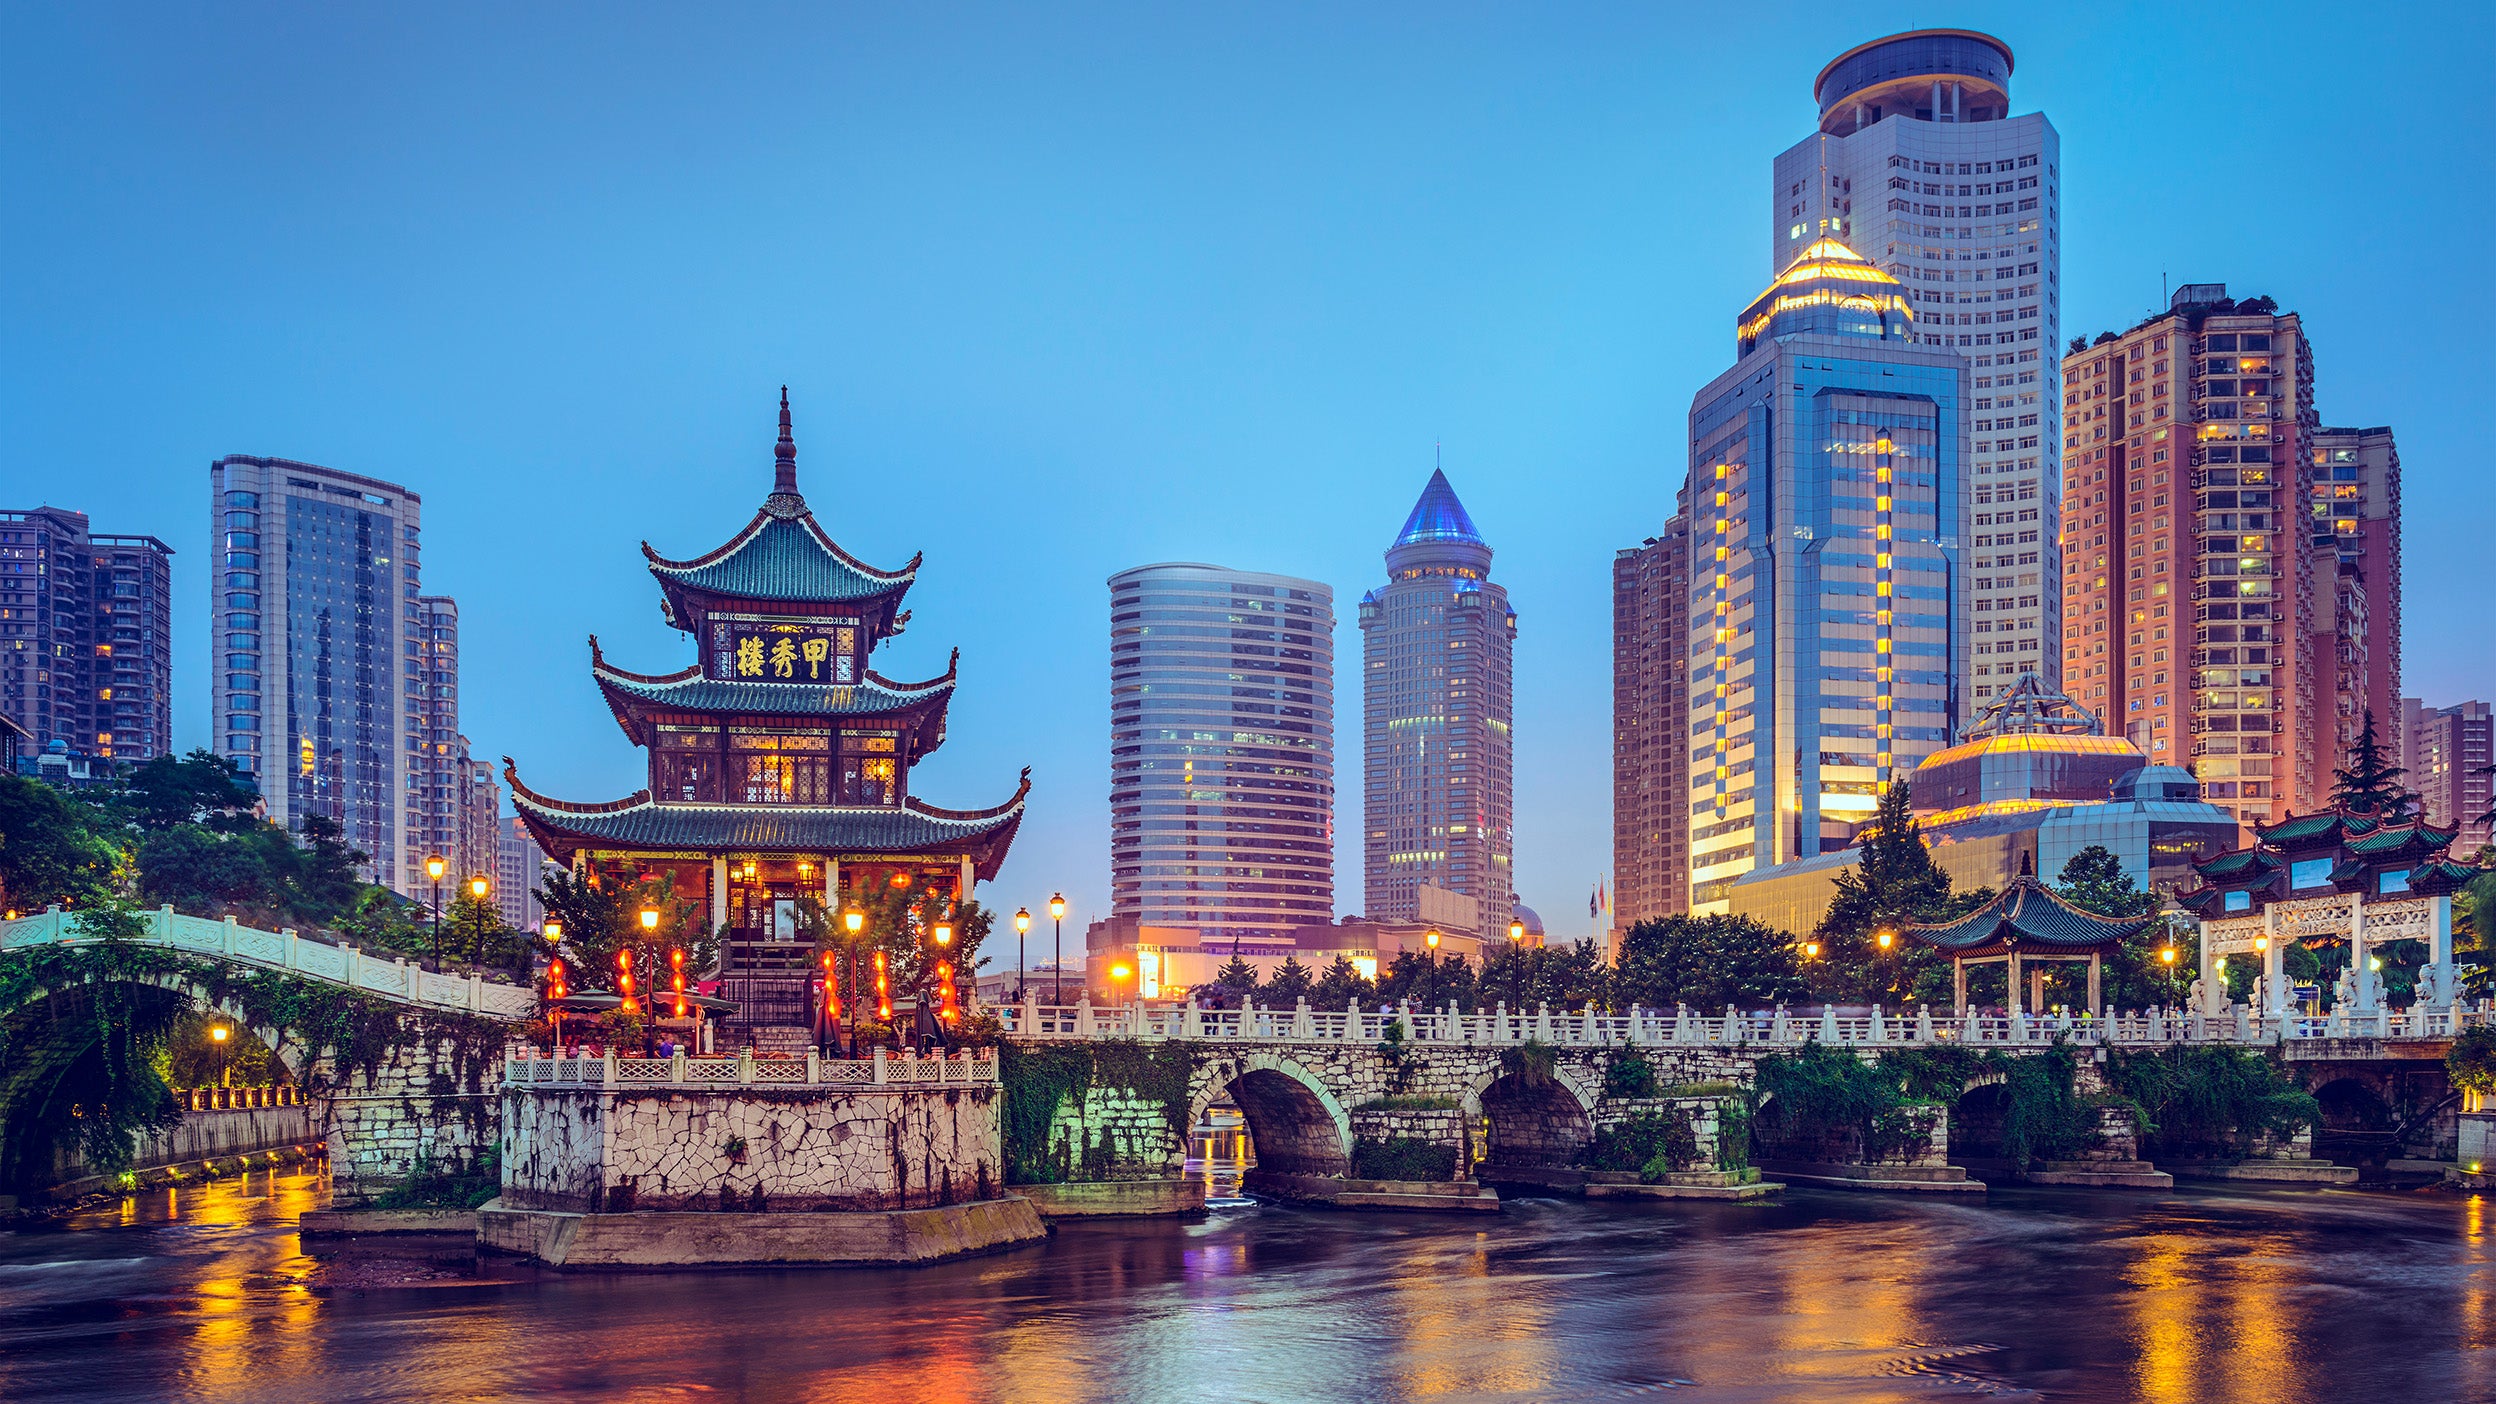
2332,877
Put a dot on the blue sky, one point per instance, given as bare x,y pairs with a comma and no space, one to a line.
1060,291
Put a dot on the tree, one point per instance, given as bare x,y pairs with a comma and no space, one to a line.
49,849
200,788
1894,881
1707,962
1341,984
1235,983
1291,983
2371,783
2096,880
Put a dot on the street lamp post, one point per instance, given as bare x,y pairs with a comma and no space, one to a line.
1057,916
1516,972
853,921
1432,939
434,868
943,934
217,1034
1022,928
477,888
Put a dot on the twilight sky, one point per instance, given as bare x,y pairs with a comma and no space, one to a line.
1063,290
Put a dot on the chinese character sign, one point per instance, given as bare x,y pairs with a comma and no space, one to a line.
810,651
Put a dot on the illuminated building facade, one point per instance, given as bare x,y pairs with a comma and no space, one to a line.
1438,803
461,817
2194,591
2032,780
86,636
1920,165
2353,504
779,760
1650,728
1827,627
316,618
2446,752
1221,753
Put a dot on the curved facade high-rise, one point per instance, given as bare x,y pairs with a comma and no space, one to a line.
1222,751
1438,757
1919,165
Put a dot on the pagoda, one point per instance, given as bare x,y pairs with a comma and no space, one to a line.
779,761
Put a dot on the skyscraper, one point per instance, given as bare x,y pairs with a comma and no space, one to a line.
2446,751
2193,586
86,636
1222,751
1650,728
2353,506
1827,620
1920,166
317,620
519,870
1438,759
462,803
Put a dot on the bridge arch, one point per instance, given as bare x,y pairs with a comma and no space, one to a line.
1546,1122
1296,1123
290,1051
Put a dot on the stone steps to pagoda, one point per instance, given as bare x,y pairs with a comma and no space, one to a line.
781,1040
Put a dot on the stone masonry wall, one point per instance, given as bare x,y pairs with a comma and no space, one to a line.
431,1108
748,1150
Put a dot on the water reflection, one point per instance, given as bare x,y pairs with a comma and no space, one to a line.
2201,1296
1220,1153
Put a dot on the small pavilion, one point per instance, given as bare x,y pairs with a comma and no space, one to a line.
2027,926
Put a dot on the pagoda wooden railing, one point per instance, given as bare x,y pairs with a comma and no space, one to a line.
684,1072
1777,1028
311,957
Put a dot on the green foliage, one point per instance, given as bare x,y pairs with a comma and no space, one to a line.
1235,984
1630,1075
1402,1158
1040,1079
2370,783
1428,983
1571,977
602,919
1824,1087
252,870
1399,1057
434,1186
50,851
1341,984
1895,882
1533,1063
1412,1102
2210,1099
83,1069
1707,962
1655,1144
2472,1060
2096,880
1292,982
202,788
1733,1134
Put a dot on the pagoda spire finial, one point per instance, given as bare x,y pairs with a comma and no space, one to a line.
784,500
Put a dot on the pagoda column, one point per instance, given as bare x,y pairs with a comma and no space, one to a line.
970,874
719,893
831,882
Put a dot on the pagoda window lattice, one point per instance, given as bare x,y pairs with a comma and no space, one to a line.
780,767
685,764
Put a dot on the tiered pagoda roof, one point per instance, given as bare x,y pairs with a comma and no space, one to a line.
639,823
640,699
2027,916
2361,847
780,580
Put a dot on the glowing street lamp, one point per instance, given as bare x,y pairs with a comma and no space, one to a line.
1057,915
434,868
1022,928
217,1034
649,918
1431,939
1516,971
1887,936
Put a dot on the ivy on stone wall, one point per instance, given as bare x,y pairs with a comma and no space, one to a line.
1655,1144
1820,1087
2210,1099
1038,1080
1402,1158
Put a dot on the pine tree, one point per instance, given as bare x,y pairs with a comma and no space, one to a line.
1236,981
2095,880
2371,784
1894,881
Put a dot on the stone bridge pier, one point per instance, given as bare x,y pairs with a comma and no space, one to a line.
1340,1122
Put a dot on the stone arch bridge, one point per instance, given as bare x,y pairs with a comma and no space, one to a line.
427,1106
1315,1086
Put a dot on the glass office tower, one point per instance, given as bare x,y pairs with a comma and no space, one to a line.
1827,501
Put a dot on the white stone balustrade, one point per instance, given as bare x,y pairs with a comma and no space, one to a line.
393,978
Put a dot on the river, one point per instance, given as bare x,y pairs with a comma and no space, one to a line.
2202,1296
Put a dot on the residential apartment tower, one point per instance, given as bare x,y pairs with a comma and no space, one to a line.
86,636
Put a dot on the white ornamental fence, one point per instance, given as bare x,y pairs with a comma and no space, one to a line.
904,1072
1774,1028
391,977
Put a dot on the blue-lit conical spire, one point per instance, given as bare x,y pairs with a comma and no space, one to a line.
1439,530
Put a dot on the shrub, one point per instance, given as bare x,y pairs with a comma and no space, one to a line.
1532,1063
2472,1060
1629,1076
1654,1144
1402,1158
1409,1102
2211,1098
